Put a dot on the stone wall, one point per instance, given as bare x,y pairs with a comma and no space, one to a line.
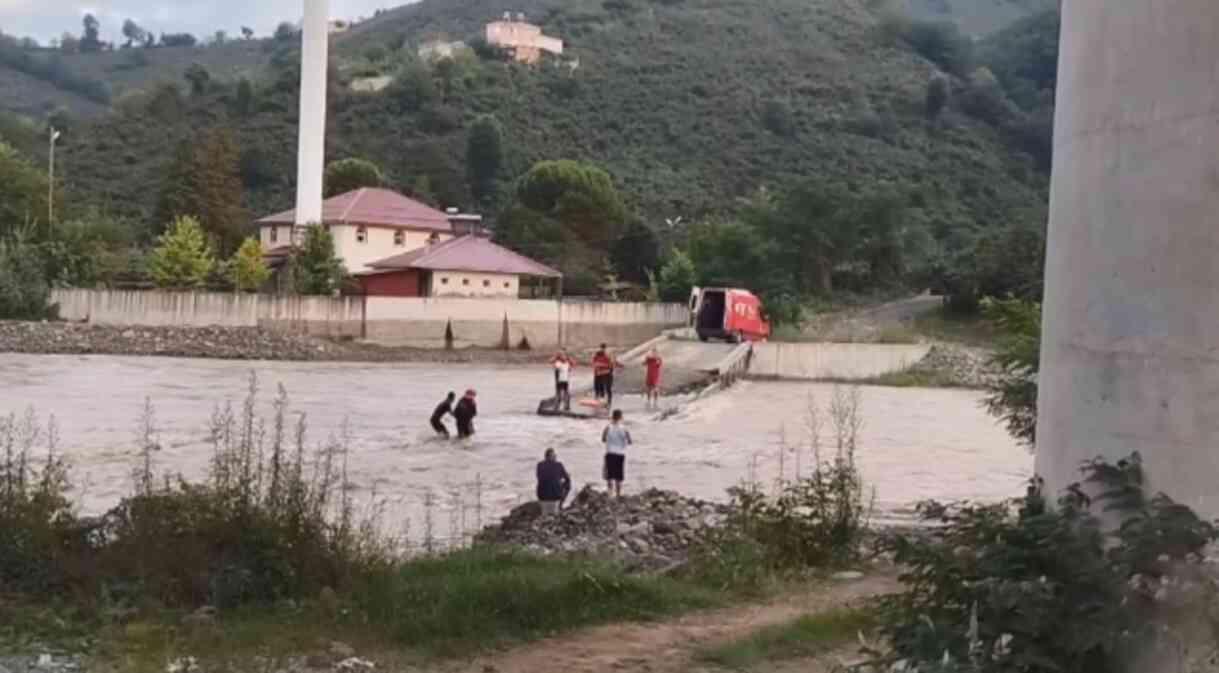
396,321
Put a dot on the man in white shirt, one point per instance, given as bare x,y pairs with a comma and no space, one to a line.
562,381
616,438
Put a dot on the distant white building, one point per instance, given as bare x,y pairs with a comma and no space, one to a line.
433,50
523,40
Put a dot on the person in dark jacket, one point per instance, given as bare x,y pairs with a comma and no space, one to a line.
464,413
553,484
443,409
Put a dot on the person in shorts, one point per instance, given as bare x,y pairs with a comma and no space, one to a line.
553,484
603,376
616,438
653,364
443,409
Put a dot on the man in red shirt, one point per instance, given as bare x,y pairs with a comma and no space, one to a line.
603,376
652,381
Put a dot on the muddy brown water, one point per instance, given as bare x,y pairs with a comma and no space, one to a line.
914,444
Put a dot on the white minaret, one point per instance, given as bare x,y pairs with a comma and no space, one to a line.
311,151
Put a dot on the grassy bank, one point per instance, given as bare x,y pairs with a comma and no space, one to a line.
450,605
807,636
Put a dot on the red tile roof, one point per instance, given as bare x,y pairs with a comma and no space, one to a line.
467,253
374,207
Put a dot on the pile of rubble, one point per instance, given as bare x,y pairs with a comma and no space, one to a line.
958,366
652,531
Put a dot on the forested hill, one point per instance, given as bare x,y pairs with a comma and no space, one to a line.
689,104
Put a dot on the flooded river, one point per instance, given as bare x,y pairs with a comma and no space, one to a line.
914,444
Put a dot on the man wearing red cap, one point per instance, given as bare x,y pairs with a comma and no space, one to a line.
465,412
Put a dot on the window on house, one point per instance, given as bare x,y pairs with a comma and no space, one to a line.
465,281
361,234
298,235
507,285
399,238
486,283
444,281
274,235
433,239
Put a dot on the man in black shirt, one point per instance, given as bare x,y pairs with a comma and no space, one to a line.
553,483
445,407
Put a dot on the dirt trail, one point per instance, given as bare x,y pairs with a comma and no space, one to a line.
666,646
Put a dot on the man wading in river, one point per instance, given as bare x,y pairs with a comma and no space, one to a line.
464,413
442,409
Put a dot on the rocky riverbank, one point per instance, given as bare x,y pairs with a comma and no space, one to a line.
951,366
652,531
230,343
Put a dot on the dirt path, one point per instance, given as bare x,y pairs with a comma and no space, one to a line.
863,325
667,646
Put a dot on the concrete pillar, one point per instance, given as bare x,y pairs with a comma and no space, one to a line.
1130,352
311,150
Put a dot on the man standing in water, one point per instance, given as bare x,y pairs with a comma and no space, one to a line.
653,363
464,413
553,484
562,380
445,407
616,438
603,376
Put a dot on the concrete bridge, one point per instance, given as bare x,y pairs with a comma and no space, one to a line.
1130,351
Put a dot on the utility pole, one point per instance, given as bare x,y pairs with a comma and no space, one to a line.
54,135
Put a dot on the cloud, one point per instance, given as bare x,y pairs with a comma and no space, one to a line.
43,20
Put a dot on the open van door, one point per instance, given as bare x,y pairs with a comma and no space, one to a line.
696,301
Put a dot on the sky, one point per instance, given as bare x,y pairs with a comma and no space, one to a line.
47,19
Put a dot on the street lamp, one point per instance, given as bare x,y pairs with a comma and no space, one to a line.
54,135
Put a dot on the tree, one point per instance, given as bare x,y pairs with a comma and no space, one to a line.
203,179
569,214
778,119
413,88
318,269
985,98
199,78
220,37
178,40
247,33
134,33
284,32
636,253
182,259
938,93
248,267
350,174
23,192
90,41
484,158
677,278
243,103
25,293
1013,394
69,43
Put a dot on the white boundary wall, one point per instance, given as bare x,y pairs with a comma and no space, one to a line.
404,321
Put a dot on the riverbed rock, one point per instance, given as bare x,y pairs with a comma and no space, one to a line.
958,366
640,530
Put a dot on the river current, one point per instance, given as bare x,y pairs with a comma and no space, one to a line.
914,444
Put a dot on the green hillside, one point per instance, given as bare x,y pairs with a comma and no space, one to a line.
689,104
977,17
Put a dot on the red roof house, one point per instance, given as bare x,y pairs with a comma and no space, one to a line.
468,266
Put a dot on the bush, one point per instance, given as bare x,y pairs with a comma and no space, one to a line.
270,522
817,519
677,278
248,269
182,259
1025,587
25,293
1013,394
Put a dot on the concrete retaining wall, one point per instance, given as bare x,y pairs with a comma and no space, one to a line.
319,316
406,321
807,361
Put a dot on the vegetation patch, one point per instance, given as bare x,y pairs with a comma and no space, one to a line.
807,636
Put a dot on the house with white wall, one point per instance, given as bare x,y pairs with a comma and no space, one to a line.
522,39
469,266
368,224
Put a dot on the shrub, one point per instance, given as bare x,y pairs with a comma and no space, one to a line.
1021,586
677,278
316,268
1013,394
938,93
182,258
25,293
248,269
817,519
